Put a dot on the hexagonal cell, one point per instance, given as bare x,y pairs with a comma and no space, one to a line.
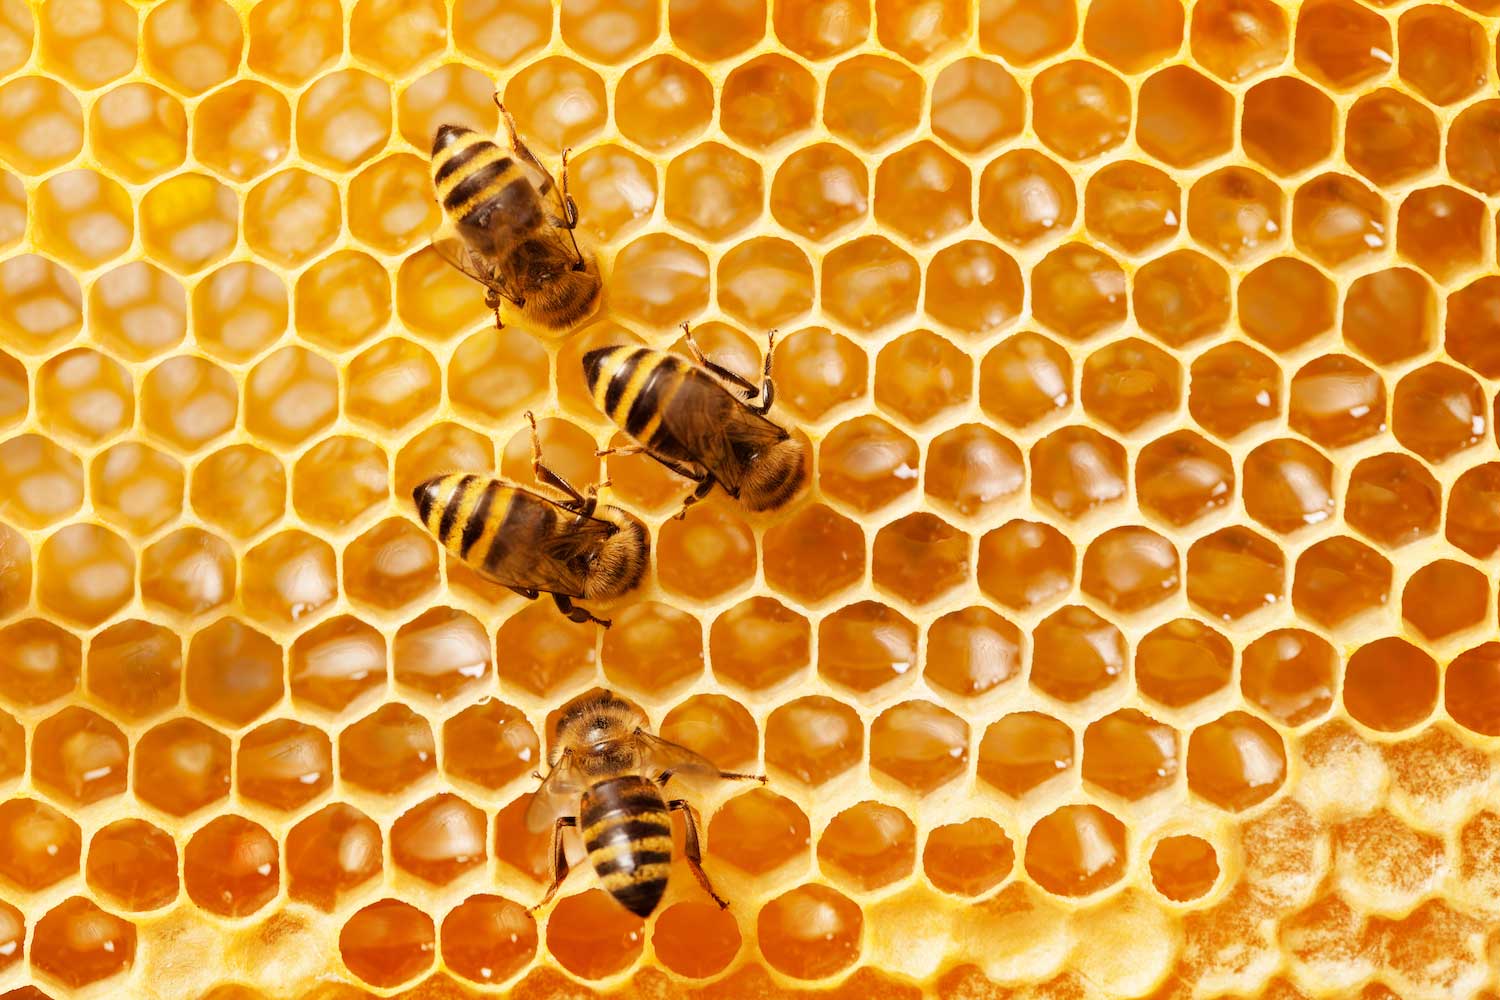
820,190
871,100
1342,44
922,192
292,41
1025,31
1024,379
344,119
919,558
1024,197
1390,138
135,669
1470,331
709,553
41,482
1290,674
1076,469
1236,212
1078,291
784,932
759,643
817,371
715,726
292,216
243,130
1445,597
1390,315
291,395
543,654
971,469
190,221
1183,117
240,489
82,217
1184,867
284,764
653,649
766,100
239,310
342,300
713,191
1288,485
1181,297
1132,206
495,373
392,384
663,102
1080,109
441,448
1182,477
968,858
972,652
611,33
867,846
488,939
339,480
1182,662
133,865
84,394
1076,654
1234,572
1442,53
387,750
1236,39
765,281
85,573
1438,411
397,36
1286,302
1133,37
233,672
42,844
1076,850
814,739
193,45
869,282
557,102
388,943
1130,754
818,29
711,30
43,124
180,767
391,565
660,280
390,208
867,463
1336,401
919,375
439,839
336,663
332,852
1441,230
974,287
138,311
1236,761
1130,568
976,104
1390,685
78,944
1338,220
758,832
89,43
1339,579
231,866
40,303
1287,125
188,572
288,577
1393,499
441,653
1130,384
1023,751
78,757
866,646
1024,564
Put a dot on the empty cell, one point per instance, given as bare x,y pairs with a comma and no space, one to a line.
868,846
976,104
663,102
1182,662
390,207
1393,500
1182,477
193,45
711,190
1290,674
84,394
818,29
41,483
291,217
1390,685
1339,579
391,385
139,132
43,124
91,42
1076,850
1024,379
1288,485
190,221
242,130
239,310
396,36
138,310
82,217
766,100
291,41
1390,138
1444,597
344,119
1080,109
40,303
1025,31
85,573
1078,291
290,396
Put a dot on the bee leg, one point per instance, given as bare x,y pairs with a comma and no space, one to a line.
559,860
527,593
629,449
693,852
575,613
705,486
570,211
767,387
734,379
577,501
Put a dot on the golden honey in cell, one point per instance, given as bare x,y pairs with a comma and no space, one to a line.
571,547
686,416
508,225
607,780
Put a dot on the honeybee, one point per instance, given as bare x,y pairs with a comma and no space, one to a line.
507,225
686,417
607,775
571,547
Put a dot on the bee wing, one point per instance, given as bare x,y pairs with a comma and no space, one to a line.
451,247
557,796
660,756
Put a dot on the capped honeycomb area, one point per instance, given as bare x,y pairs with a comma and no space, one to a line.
1136,637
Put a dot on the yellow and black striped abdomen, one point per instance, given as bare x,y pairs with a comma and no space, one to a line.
628,835
475,179
482,521
634,385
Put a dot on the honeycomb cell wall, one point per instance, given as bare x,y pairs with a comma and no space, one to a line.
1136,638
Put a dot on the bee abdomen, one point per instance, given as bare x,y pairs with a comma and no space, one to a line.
629,838
460,510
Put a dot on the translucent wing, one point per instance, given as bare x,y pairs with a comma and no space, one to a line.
557,796
451,247
659,756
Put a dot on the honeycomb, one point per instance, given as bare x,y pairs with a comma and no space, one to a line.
1136,638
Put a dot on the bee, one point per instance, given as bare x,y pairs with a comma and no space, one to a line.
510,227
607,776
686,416
571,547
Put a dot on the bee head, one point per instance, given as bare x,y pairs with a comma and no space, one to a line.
446,136
593,718
775,476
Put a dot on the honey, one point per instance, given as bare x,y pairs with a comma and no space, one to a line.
1134,637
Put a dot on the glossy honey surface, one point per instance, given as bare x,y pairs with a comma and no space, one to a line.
1135,639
